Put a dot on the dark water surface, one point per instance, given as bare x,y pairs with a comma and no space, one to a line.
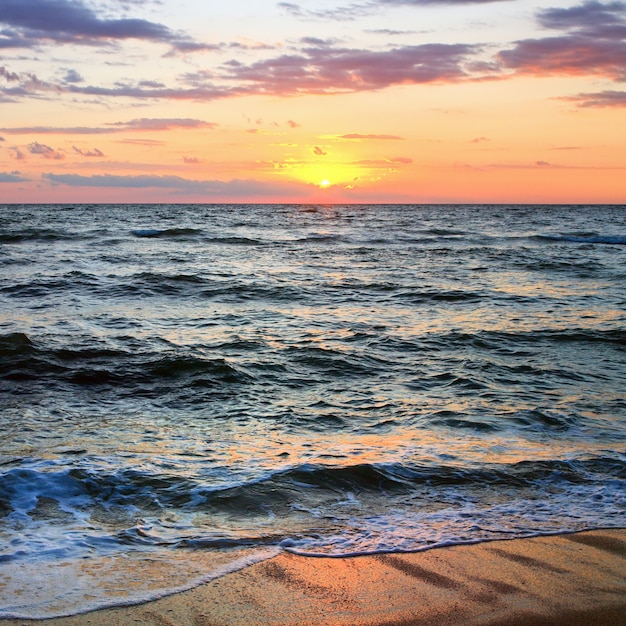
199,387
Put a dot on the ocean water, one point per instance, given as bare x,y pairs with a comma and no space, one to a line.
187,389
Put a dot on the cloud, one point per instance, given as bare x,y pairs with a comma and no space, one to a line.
17,154
318,151
152,124
12,177
141,124
88,153
45,151
191,160
384,162
177,184
32,22
594,43
360,136
332,70
293,124
10,77
592,18
419,3
142,91
344,13
320,69
404,160
600,99
142,142
72,21
25,84
72,76
362,9
389,32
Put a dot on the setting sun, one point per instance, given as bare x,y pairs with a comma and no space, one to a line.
325,183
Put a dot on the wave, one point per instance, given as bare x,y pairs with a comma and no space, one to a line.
148,367
617,240
23,487
307,503
45,235
166,232
236,241
131,371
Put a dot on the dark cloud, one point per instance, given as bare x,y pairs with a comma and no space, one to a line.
31,22
45,151
360,9
419,3
342,13
10,77
142,181
17,154
175,184
24,84
601,99
72,76
388,32
593,18
140,124
73,21
129,90
148,123
594,43
318,151
12,177
88,153
329,70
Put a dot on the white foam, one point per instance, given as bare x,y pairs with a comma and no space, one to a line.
67,587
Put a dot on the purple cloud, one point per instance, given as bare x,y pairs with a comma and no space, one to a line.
330,70
361,9
140,124
594,43
176,184
12,177
31,22
45,151
88,153
599,99
148,123
73,21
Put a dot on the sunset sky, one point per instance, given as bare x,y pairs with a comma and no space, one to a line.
313,101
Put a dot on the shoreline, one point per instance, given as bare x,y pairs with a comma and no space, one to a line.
573,579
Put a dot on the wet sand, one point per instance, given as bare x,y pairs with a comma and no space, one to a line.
577,579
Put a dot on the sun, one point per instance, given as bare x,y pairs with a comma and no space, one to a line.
325,183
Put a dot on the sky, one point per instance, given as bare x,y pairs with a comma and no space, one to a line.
313,101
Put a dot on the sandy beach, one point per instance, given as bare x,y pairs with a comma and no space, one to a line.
574,579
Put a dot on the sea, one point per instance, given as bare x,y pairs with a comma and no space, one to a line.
186,390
